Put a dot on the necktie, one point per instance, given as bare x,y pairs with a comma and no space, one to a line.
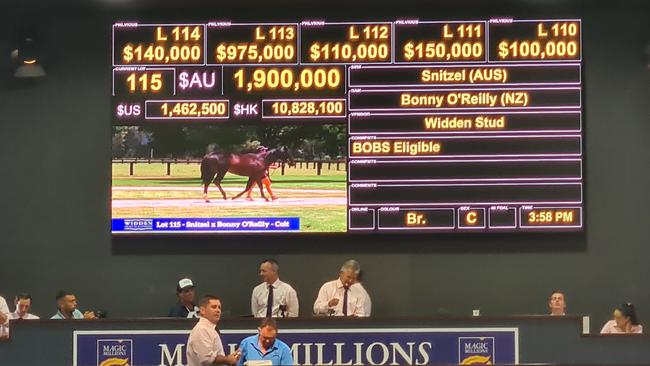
269,303
345,301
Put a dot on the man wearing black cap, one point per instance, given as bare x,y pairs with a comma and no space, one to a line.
185,308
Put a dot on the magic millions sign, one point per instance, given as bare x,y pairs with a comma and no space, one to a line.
349,347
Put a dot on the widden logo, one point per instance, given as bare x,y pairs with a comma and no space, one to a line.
138,224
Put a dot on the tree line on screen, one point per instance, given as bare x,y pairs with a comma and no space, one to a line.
309,142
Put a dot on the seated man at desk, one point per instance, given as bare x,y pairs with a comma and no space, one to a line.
344,296
23,305
557,304
264,349
67,307
185,307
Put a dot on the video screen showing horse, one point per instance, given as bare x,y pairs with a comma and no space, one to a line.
229,178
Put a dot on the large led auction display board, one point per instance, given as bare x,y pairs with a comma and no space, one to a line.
419,125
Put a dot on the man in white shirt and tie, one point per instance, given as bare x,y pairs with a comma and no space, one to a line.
273,298
344,296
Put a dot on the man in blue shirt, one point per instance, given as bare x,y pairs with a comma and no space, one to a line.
67,307
264,348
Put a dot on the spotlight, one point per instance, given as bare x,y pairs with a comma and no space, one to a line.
27,60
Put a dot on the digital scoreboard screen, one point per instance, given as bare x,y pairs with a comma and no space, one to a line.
361,126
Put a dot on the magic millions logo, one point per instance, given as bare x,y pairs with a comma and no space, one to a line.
114,352
476,350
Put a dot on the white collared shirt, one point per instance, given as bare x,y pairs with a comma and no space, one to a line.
4,309
283,294
28,316
16,316
203,344
359,303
